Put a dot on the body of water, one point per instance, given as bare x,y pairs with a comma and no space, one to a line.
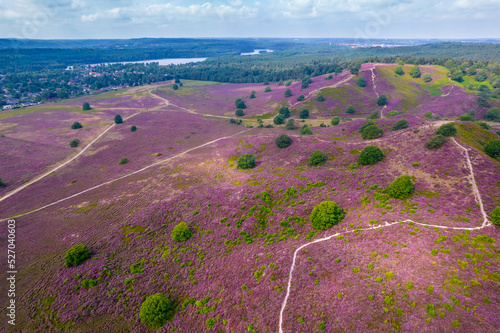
259,51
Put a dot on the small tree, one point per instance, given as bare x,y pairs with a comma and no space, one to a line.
133,128
415,72
457,76
268,89
401,124
466,117
246,161
436,142
481,76
283,141
305,130
365,125
350,109
76,125
401,188
428,115
320,98
284,111
232,121
2,184
252,94
177,80
290,125
361,82
427,77
74,143
495,216
304,114
118,119
288,93
156,311
123,161
471,112
326,215
86,106
240,104
175,87
318,158
370,155
447,130
335,121
382,100
76,255
300,98
279,119
492,114
375,115
288,83
399,70
484,125
492,148
239,113
181,233
372,132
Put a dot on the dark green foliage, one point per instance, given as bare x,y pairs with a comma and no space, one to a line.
175,87
246,161
284,111
283,141
123,161
399,70
403,123
240,104
288,83
457,76
481,76
428,115
427,77
156,311
394,113
318,158
401,188
133,128
447,130
288,93
2,184
252,94
320,98
365,125
493,148
181,233
268,89
436,142
335,121
76,125
484,125
118,119
290,125
495,216
326,215
279,119
239,113
86,107
466,117
305,130
471,112
382,100
498,132
300,98
350,109
177,80
232,121
372,132
415,72
304,114
492,114
375,115
76,255
361,82
74,143
370,155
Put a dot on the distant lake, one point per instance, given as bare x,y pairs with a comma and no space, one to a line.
258,51
162,62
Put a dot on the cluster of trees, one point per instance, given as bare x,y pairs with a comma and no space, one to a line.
370,131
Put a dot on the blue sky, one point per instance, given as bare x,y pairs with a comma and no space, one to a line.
77,19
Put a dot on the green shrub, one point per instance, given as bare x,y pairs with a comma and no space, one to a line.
350,109
365,125
495,216
361,82
181,233
372,132
76,125
268,89
320,98
290,125
240,104
156,311
232,121
175,87
370,155
435,142
239,113
279,119
321,325
288,83
493,148
427,77
447,130
86,106
401,188
133,128
252,94
335,121
284,111
2,184
394,113
118,119
492,114
415,72
466,117
484,125
283,141
399,70
428,115
304,114
300,98
326,215
401,124
76,255
305,130
74,143
246,161
382,100
288,93
374,115
317,158
123,161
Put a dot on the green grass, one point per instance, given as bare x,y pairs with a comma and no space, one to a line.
35,109
474,135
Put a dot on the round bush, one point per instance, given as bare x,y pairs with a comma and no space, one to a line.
401,188
320,98
175,87
279,119
335,121
318,158
240,104
304,114
76,125
382,100
466,117
118,119
435,142
401,124
86,107
290,125
239,113
492,114
372,132
375,115
361,82
447,130
181,233
156,311
365,125
305,130
427,77
268,89
493,148
74,143
246,161
123,161
350,109
370,155
326,215
76,255
133,128
300,98
399,70
284,111
495,216
283,141
288,93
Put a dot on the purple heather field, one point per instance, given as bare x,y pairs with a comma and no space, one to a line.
379,274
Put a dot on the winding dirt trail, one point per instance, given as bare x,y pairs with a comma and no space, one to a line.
375,91
477,196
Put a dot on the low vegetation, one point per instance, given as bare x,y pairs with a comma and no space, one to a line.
76,255
326,215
